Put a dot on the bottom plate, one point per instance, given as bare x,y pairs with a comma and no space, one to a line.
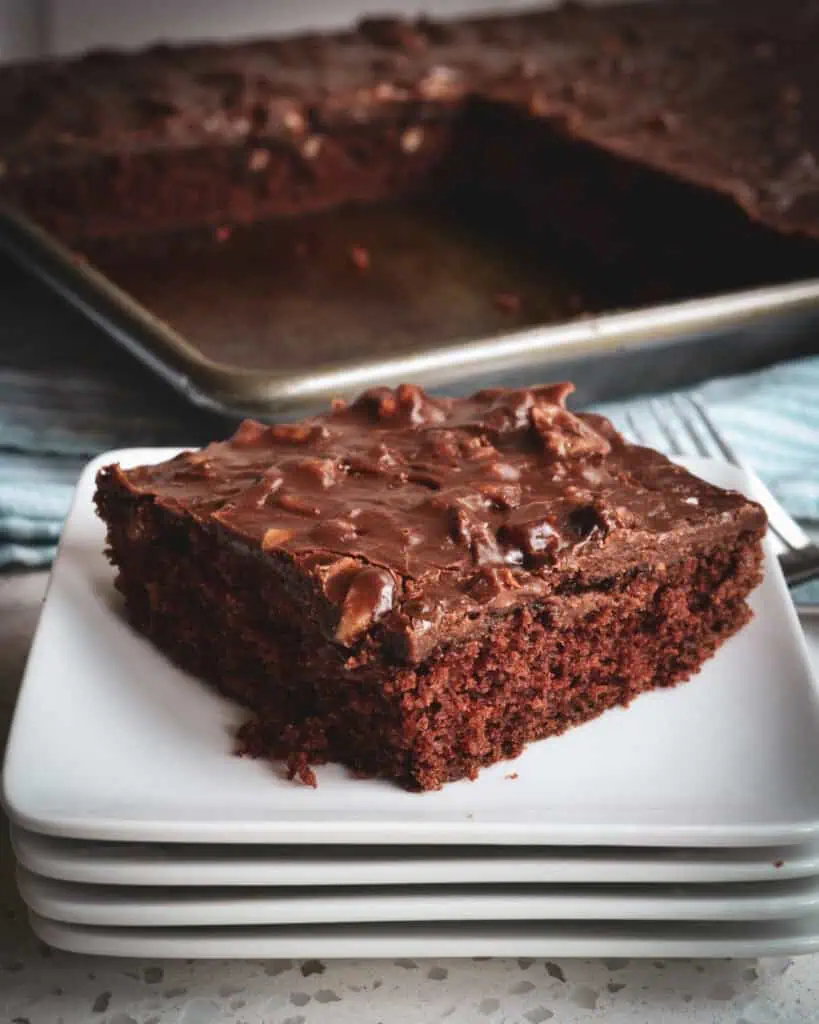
182,864
128,907
389,941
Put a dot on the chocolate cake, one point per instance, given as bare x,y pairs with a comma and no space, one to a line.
417,587
679,138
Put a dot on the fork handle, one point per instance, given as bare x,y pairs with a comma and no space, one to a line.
800,564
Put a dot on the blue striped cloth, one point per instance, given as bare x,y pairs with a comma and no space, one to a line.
51,424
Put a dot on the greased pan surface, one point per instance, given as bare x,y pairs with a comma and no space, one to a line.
281,318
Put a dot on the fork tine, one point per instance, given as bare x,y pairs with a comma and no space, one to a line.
684,415
777,525
674,445
725,449
634,429
695,421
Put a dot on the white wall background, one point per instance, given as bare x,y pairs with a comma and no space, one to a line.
44,27
21,25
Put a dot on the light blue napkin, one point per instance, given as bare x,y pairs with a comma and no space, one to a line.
51,424
50,428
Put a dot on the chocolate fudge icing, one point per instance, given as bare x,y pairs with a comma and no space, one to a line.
418,518
721,94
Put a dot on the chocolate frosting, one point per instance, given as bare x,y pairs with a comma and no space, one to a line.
415,519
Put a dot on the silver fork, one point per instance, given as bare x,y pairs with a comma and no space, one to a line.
798,557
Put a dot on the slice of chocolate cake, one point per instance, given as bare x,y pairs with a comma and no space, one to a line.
418,587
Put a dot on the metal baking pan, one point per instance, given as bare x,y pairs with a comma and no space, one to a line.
610,355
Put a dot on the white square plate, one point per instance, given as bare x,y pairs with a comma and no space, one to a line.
152,907
204,864
632,939
111,741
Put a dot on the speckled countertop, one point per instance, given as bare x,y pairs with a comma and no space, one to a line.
41,986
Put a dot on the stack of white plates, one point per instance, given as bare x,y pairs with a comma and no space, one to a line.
685,825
